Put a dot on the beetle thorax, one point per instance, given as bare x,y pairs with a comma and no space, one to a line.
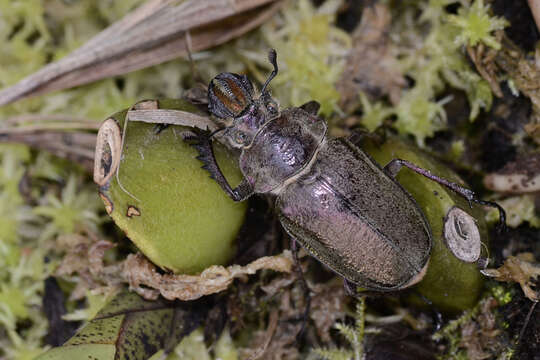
281,149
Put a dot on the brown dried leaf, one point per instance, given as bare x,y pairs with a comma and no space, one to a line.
157,31
523,70
85,258
535,10
327,306
520,269
372,64
142,275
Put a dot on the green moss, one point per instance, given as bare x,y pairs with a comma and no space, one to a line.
311,53
74,208
374,114
193,347
354,336
501,293
519,209
476,25
429,53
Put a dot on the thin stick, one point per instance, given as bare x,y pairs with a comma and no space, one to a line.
124,133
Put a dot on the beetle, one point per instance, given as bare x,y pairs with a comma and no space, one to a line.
331,197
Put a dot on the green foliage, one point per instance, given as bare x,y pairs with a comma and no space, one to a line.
452,334
74,207
431,56
374,114
193,347
476,25
22,254
311,52
501,293
519,209
354,336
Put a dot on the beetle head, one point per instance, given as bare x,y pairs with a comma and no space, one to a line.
231,98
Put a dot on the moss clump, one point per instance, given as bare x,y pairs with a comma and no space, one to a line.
476,25
425,44
311,53
354,336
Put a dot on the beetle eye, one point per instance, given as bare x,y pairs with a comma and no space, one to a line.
240,137
272,108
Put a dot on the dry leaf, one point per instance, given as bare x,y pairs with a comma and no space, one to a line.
372,64
520,269
144,278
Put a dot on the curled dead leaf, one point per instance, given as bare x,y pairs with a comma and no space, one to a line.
520,269
144,278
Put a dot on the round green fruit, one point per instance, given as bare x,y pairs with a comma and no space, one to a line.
165,203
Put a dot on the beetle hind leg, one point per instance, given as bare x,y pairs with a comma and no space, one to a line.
303,282
394,166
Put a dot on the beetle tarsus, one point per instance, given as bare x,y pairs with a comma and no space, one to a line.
393,167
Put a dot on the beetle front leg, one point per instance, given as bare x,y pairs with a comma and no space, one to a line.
201,141
393,167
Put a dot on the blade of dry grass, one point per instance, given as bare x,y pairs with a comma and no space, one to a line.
75,146
155,32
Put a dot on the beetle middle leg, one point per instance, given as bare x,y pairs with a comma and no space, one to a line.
202,142
394,166
303,282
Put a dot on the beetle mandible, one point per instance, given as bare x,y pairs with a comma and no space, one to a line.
331,197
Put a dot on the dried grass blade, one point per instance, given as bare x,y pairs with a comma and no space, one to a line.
152,34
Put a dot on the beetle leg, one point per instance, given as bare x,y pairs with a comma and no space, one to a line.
201,141
393,167
305,287
350,288
437,316
158,128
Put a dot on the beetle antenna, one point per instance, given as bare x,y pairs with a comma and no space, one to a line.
272,57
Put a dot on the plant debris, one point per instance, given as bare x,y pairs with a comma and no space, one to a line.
517,177
521,269
372,66
144,278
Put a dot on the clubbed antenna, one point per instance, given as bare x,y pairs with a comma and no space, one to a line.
272,57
